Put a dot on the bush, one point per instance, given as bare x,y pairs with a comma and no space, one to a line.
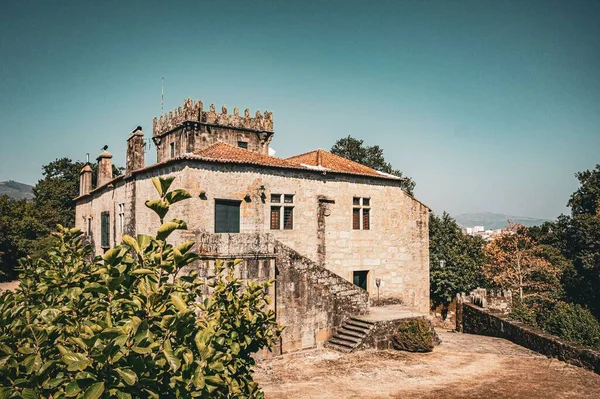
416,335
523,313
128,325
571,322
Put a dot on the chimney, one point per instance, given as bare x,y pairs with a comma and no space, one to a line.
135,151
104,168
85,180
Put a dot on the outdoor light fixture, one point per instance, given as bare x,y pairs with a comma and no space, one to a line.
202,195
378,284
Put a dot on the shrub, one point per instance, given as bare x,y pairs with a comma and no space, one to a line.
416,335
571,322
128,325
523,313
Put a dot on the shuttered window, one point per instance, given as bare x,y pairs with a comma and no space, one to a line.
288,218
356,219
275,217
227,216
361,213
277,221
105,229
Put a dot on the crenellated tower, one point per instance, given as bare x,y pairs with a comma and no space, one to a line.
190,128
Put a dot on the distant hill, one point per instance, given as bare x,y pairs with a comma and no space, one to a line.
494,220
16,190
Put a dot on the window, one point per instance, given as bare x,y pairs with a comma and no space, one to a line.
172,145
121,218
282,204
227,216
361,213
105,229
243,144
89,226
359,278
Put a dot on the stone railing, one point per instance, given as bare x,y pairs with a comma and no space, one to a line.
472,318
193,111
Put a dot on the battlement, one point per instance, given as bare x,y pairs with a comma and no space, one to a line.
193,111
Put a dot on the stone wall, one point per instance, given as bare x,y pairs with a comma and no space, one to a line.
477,320
382,332
311,301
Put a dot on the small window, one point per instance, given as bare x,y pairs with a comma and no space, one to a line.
172,150
243,144
360,278
287,221
227,216
105,230
89,226
121,218
361,213
275,217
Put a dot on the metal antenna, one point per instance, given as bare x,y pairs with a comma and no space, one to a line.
162,97
87,157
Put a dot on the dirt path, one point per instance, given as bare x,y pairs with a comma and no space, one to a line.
463,366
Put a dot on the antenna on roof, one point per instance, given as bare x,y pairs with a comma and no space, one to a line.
162,97
87,157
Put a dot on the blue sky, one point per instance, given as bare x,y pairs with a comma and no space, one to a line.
488,105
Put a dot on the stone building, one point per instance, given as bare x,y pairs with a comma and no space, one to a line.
330,230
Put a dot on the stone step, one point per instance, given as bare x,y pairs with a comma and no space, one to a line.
337,347
359,324
342,342
368,322
357,329
355,333
345,337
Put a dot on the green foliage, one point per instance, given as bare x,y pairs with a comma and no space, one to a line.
571,322
371,156
523,312
462,257
130,324
416,335
19,230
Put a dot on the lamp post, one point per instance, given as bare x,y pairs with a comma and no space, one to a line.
378,284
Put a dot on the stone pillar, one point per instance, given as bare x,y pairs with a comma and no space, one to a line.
135,151
85,180
104,168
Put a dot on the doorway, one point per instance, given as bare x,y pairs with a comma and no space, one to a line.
359,278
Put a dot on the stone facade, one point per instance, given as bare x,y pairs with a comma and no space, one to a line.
314,259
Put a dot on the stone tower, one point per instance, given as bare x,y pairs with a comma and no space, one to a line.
190,128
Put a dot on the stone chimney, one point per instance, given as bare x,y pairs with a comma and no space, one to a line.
104,168
135,151
85,180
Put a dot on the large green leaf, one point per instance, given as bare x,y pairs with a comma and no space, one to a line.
94,391
128,375
167,228
176,196
48,315
173,361
160,207
179,303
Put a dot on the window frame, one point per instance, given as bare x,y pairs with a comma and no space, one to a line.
172,149
105,229
238,205
282,203
242,144
363,208
121,214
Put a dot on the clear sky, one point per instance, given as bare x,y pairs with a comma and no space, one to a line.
488,105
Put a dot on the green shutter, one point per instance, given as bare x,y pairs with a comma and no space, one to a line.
227,216
105,230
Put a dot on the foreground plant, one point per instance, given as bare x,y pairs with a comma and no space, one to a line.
128,325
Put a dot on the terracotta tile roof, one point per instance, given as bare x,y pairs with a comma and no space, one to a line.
327,161
222,152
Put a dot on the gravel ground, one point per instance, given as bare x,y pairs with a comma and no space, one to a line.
462,366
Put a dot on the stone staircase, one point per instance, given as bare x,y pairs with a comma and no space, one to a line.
350,335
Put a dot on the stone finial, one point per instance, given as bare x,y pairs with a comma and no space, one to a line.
155,125
247,113
258,115
224,109
212,107
236,111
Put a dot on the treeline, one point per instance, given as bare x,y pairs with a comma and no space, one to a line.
553,270
25,226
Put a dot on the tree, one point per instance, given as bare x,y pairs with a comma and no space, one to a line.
56,191
130,324
19,230
517,262
455,260
371,156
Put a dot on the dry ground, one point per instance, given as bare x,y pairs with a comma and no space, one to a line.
463,366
